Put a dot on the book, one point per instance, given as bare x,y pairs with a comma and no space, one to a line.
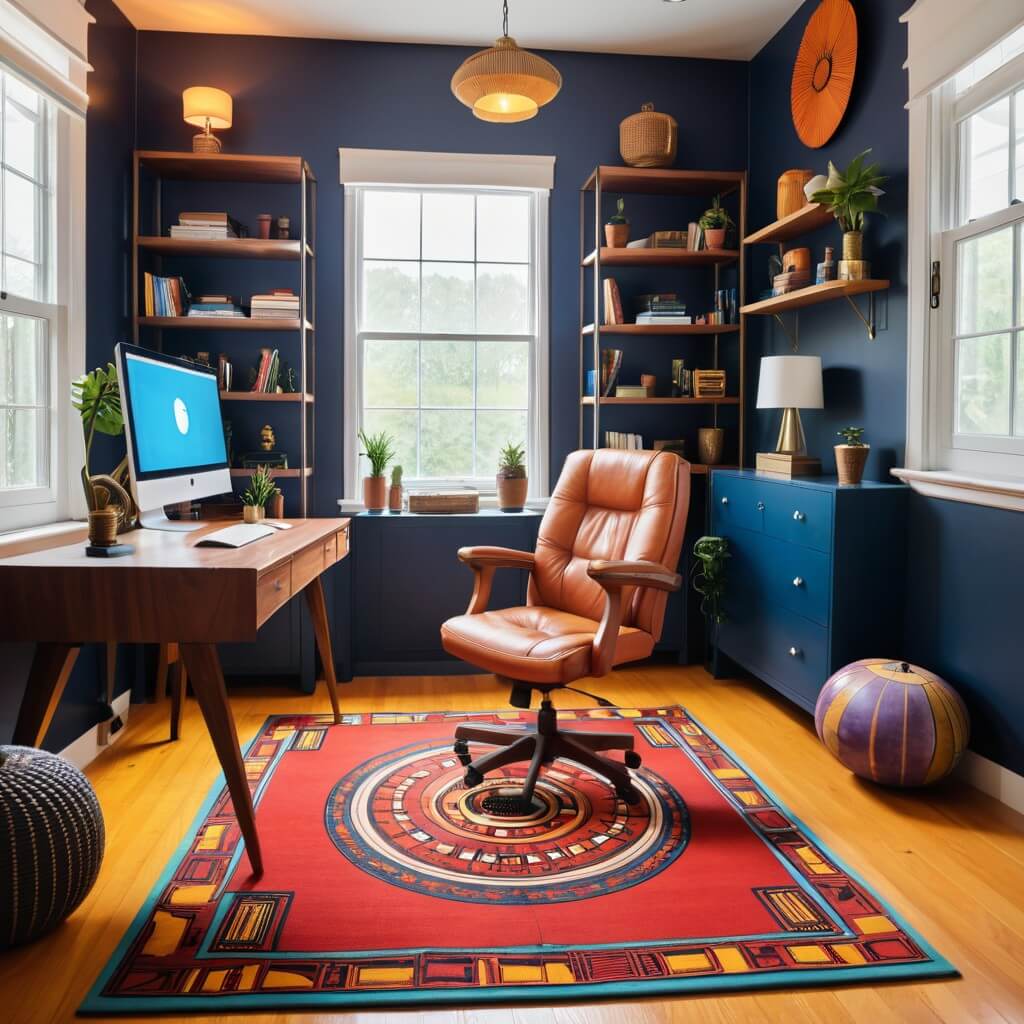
632,391
670,240
620,440
215,219
663,318
205,234
639,243
267,371
612,302
611,363
165,296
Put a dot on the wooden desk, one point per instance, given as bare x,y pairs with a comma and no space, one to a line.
168,590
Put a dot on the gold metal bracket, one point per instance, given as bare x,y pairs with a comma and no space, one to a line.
794,335
869,320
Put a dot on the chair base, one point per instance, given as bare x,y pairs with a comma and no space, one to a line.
540,748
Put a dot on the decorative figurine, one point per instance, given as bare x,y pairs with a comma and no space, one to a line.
827,269
267,438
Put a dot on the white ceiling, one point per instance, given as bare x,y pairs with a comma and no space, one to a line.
731,29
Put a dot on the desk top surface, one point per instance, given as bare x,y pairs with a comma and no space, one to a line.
156,549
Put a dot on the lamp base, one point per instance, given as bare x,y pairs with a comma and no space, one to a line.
205,142
784,465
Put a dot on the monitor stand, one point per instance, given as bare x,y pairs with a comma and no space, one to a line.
155,519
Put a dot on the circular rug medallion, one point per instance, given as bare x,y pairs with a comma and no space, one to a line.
406,818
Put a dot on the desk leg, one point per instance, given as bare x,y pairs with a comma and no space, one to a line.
51,669
318,613
203,667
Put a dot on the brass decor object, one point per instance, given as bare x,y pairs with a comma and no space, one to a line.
823,72
649,139
710,445
503,83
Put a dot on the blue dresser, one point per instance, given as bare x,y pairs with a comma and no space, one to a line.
816,578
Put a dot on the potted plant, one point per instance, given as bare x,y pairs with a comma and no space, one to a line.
616,231
708,575
851,455
512,482
849,195
395,491
260,490
380,450
715,222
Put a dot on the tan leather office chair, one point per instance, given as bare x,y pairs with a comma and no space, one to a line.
605,559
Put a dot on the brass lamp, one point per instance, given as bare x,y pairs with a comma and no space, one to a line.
206,108
790,383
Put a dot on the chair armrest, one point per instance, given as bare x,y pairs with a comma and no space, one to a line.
613,576
484,561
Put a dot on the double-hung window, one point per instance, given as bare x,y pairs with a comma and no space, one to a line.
447,314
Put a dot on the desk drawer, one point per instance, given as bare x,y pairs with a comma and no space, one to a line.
329,548
272,590
307,565
342,541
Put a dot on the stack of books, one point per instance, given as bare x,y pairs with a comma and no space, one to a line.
207,226
709,383
726,311
662,310
612,302
611,363
267,372
280,304
165,296
617,439
216,306
694,236
661,240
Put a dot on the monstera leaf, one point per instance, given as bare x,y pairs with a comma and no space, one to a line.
97,396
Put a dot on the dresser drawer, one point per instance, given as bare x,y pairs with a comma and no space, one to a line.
799,515
307,565
793,576
272,590
739,503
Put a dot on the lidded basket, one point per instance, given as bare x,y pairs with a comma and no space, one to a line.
649,139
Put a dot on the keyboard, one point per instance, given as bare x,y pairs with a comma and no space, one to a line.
236,536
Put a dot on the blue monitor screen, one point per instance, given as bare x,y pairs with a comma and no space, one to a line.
175,417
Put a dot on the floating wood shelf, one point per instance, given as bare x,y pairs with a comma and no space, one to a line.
233,248
664,329
661,182
219,323
813,295
276,473
622,257
808,218
274,170
728,400
265,396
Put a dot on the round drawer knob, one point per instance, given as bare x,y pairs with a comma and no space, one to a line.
278,585
799,516
794,652
725,501
798,581
760,506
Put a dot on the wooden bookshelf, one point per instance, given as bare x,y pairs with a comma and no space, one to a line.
808,218
220,323
813,295
267,170
624,257
612,400
265,396
657,181
229,248
663,329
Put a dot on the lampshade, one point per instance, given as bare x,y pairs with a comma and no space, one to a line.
505,83
790,382
202,103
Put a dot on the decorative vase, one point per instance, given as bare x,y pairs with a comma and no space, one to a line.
714,238
395,498
710,445
277,506
263,220
51,845
853,245
512,493
902,726
375,494
789,193
648,139
850,461
253,513
616,235
103,527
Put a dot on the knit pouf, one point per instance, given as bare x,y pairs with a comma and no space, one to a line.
51,842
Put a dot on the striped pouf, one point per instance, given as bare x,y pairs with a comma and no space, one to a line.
892,722
51,842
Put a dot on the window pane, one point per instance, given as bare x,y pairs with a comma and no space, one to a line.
1018,405
21,360
20,278
21,436
391,296
501,294
21,139
503,228
502,374
446,440
401,425
391,225
390,373
493,431
21,199
985,160
447,372
983,385
447,226
1019,147
985,288
447,298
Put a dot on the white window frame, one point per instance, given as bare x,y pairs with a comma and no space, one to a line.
476,175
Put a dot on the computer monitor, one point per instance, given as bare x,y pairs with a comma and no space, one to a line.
174,430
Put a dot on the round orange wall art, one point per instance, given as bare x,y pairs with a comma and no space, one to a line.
823,72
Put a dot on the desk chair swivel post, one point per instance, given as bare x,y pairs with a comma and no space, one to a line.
599,581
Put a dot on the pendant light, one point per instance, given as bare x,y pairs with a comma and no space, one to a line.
504,83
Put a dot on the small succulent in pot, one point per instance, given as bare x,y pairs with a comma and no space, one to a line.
511,478
380,450
852,455
616,231
395,491
715,223
255,497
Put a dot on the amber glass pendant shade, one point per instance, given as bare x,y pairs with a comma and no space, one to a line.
823,72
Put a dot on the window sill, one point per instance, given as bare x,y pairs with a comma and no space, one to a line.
995,492
353,507
50,535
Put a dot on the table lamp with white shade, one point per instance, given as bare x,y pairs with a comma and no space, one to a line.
790,383
206,108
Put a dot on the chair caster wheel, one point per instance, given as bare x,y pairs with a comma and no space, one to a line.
632,759
462,752
629,794
472,778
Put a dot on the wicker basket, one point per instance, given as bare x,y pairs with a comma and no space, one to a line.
649,139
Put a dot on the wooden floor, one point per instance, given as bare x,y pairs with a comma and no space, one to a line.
950,860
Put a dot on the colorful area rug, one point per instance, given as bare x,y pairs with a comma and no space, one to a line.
387,882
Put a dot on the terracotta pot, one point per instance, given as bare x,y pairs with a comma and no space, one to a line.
512,493
616,235
263,220
103,527
850,461
710,445
714,238
253,513
277,506
395,498
375,493
853,245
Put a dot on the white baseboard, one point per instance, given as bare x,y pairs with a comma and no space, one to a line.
991,778
87,747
